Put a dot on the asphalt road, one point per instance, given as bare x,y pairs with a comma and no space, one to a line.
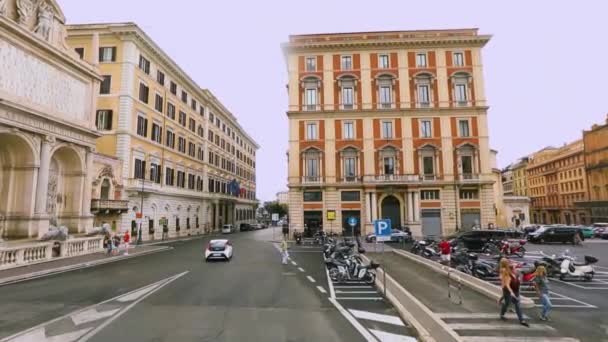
251,298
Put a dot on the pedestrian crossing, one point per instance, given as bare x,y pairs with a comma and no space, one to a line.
488,327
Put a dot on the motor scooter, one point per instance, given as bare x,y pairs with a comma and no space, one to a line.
571,269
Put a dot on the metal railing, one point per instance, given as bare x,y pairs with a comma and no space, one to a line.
469,176
392,178
312,180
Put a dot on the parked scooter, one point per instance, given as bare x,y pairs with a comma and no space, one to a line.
425,248
570,269
344,264
469,263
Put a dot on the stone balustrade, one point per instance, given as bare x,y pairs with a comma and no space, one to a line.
27,254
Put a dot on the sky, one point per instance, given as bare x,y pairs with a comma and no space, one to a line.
545,68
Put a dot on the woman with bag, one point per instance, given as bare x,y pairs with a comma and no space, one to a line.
510,291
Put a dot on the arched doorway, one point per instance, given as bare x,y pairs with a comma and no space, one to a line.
64,198
391,209
17,180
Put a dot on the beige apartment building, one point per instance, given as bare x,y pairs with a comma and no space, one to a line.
388,125
187,164
556,180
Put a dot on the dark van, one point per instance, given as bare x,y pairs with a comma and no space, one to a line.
555,234
474,240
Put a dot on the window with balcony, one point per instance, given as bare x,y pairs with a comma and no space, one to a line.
106,85
428,165
458,59
103,120
348,130
157,133
466,161
139,169
388,165
463,128
311,101
424,99
346,62
426,128
467,166
461,81
105,189
469,194
429,195
349,163
311,131
311,64
387,129
385,91
155,173
383,61
421,60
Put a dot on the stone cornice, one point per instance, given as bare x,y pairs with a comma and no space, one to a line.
480,110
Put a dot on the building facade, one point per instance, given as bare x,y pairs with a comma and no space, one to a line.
556,180
283,197
596,168
108,201
388,125
520,177
507,181
47,123
187,165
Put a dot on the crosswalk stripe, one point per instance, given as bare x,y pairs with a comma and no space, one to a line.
358,292
359,298
320,288
372,316
466,315
384,336
311,279
483,326
518,339
353,287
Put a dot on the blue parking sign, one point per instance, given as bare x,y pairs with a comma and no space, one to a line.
383,230
352,221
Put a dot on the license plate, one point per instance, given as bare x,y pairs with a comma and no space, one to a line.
216,254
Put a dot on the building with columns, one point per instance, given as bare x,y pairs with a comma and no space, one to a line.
388,125
187,164
47,123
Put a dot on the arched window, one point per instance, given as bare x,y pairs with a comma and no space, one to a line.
389,161
105,189
467,161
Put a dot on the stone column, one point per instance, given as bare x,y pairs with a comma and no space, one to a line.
42,186
416,199
86,197
374,206
217,216
410,206
95,47
368,211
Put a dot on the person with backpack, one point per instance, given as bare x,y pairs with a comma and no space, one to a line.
510,291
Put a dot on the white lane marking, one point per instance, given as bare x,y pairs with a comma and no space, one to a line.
301,269
332,293
17,336
294,263
366,334
123,311
463,315
359,298
338,291
572,299
383,336
91,315
39,335
138,293
497,327
518,339
312,280
372,316
321,289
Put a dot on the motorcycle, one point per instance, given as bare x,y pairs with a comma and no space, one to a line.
508,248
344,264
425,248
469,263
298,237
570,268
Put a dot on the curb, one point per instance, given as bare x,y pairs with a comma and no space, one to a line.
83,265
176,240
481,286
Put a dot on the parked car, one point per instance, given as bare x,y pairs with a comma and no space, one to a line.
599,228
587,232
530,229
553,234
245,227
228,229
474,240
219,249
397,235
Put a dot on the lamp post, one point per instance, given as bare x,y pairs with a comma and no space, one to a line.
141,211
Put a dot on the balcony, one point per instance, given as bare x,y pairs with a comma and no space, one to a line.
468,177
312,180
99,205
428,178
350,180
391,178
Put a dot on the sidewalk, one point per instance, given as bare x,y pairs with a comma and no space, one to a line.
471,315
55,266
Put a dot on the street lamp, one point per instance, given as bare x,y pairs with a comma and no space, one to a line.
141,211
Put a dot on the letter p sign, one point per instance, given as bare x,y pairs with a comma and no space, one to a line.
383,230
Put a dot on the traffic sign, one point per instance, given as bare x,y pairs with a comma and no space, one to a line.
275,217
383,230
331,215
352,221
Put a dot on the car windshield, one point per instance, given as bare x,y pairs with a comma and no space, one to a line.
540,230
217,243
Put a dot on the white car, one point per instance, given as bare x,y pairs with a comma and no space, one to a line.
219,249
228,229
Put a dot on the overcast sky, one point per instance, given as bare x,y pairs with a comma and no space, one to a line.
546,67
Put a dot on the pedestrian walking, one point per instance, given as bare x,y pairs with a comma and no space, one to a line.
115,241
284,252
446,251
510,291
126,239
541,284
107,243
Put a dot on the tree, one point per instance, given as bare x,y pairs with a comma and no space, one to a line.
275,207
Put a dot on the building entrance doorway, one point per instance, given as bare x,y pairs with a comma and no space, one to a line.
313,221
391,209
